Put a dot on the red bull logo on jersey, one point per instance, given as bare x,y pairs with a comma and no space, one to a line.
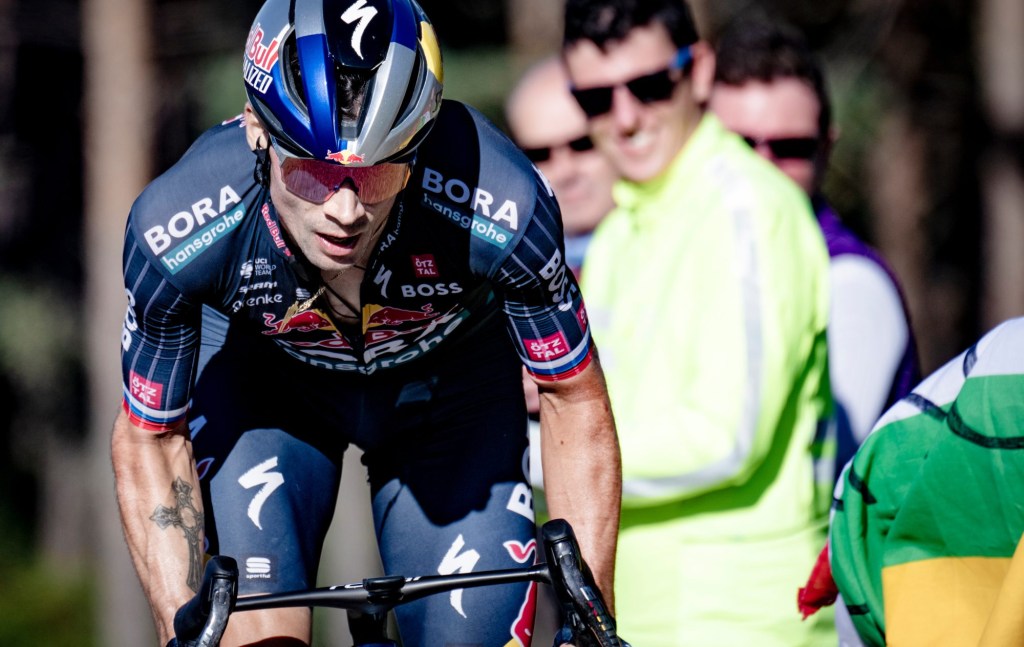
260,58
375,315
391,336
304,321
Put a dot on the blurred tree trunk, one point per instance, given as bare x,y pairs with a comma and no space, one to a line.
899,198
1001,54
118,150
534,27
923,184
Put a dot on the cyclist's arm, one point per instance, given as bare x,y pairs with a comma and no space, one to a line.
161,514
582,466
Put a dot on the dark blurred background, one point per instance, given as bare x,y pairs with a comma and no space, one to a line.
99,96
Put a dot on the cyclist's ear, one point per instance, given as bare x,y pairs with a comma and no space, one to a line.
255,133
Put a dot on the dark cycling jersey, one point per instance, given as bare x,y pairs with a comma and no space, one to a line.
475,231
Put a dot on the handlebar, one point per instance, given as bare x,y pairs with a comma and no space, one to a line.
583,606
204,618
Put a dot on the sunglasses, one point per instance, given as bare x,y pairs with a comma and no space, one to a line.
657,86
543,153
786,148
317,181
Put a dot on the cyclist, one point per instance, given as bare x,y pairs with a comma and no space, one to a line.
354,261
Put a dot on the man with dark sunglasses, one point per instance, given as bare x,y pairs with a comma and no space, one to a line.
708,291
354,261
770,88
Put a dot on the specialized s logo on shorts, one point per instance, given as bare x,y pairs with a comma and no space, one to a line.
261,476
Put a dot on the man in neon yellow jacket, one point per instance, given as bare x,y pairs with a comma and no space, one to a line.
707,292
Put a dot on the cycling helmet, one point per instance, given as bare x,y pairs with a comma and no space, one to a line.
356,82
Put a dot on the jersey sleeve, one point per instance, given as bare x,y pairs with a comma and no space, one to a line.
158,344
546,315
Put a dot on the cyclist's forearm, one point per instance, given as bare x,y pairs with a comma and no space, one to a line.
161,514
582,469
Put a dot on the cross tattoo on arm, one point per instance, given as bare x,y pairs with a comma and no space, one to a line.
189,519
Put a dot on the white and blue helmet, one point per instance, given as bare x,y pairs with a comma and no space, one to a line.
356,82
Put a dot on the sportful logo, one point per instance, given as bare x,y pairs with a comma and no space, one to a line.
257,568
358,11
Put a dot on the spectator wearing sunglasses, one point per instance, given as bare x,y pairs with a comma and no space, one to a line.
770,88
549,126
708,291
354,261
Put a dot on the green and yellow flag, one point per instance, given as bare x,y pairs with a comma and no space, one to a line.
928,515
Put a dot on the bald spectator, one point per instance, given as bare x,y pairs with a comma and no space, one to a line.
545,121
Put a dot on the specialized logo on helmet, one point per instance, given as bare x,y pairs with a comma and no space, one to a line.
260,58
345,156
359,11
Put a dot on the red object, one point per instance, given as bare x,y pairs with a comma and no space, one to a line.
820,590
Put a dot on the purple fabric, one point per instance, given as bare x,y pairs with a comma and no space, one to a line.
840,241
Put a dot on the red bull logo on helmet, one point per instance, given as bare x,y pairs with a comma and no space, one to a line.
260,58
345,156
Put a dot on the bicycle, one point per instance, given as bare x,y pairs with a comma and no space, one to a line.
202,620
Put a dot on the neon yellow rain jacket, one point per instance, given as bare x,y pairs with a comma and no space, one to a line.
707,290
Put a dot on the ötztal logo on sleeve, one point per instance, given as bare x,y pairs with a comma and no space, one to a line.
547,348
147,392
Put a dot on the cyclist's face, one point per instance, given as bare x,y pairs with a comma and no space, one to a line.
340,232
640,139
783,109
